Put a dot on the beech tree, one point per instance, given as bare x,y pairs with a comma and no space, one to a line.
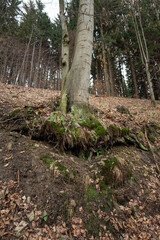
76,78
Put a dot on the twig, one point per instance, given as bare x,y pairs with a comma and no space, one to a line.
17,176
7,120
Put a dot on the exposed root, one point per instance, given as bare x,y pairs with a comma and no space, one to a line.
74,132
152,151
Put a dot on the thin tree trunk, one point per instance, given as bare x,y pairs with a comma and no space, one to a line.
133,75
21,72
106,75
123,85
111,76
156,11
37,65
31,69
143,48
11,69
65,54
4,74
145,84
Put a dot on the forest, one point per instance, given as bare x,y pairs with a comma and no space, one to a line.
126,38
80,120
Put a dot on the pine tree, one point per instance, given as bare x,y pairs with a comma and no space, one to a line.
9,10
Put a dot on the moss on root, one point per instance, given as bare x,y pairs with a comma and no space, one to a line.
84,118
79,130
14,112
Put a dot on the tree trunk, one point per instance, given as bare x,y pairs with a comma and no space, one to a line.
111,75
31,67
76,87
65,55
142,47
122,82
35,81
21,72
106,75
133,76
150,83
145,84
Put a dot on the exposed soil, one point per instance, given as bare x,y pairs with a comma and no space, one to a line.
86,201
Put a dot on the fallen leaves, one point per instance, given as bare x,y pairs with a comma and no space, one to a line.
135,219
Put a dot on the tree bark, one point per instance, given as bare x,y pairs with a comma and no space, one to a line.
111,75
75,91
31,67
65,55
106,75
133,75
143,47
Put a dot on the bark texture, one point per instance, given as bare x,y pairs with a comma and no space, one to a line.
133,75
76,87
143,47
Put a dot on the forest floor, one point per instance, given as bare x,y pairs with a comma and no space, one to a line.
39,202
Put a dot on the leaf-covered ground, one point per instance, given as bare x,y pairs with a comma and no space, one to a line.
75,197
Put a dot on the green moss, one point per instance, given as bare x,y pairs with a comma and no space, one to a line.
76,132
93,226
56,121
125,131
97,128
103,186
63,104
29,110
58,128
100,130
74,174
29,113
152,138
143,147
110,163
47,159
14,112
100,151
91,193
130,139
107,172
115,127
85,118
62,169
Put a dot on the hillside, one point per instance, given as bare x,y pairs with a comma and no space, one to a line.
49,191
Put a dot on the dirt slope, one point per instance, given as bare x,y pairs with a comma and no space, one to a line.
52,194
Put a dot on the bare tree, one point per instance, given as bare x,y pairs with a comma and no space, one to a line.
75,89
142,45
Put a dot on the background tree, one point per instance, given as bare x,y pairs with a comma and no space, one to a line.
31,56
9,10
